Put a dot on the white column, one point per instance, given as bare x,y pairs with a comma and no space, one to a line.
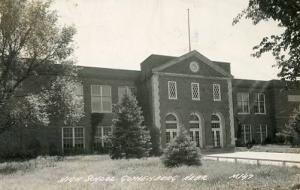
230,102
155,101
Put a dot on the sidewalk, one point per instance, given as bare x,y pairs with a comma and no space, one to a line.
260,158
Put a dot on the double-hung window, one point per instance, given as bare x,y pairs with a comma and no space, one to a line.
72,137
122,90
195,91
101,136
79,94
246,133
216,92
262,132
101,99
259,103
243,103
172,90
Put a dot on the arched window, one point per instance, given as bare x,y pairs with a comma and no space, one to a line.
216,130
195,128
171,127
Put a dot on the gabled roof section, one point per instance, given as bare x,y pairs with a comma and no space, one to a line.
196,54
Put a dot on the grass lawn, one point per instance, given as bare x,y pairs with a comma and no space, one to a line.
90,171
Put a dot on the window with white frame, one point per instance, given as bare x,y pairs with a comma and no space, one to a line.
216,92
101,99
122,90
243,103
259,103
195,125
195,91
72,137
262,132
216,131
246,133
79,94
102,135
171,127
172,90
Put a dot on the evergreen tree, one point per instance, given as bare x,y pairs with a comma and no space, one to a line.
181,151
130,139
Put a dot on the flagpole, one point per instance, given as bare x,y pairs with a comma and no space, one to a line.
189,31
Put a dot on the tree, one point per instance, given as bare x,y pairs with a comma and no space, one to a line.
181,151
130,139
285,47
34,48
292,128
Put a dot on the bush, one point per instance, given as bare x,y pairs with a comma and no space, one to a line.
53,150
181,152
34,148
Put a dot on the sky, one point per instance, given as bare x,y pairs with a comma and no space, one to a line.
122,33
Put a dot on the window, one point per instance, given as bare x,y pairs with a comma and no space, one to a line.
259,103
172,90
171,127
195,128
216,92
72,137
216,130
195,91
79,94
122,90
102,134
246,133
243,103
262,132
101,99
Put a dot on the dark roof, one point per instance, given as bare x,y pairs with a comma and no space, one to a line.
223,65
155,60
250,83
95,72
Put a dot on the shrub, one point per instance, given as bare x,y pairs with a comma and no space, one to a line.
34,148
250,144
53,150
181,151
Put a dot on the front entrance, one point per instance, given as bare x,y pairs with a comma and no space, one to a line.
216,131
195,129
216,138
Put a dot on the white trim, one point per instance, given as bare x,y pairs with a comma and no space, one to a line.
219,89
155,101
201,57
175,90
231,117
220,129
102,133
73,136
190,76
199,129
171,131
128,92
257,95
101,99
242,100
261,137
198,90
250,132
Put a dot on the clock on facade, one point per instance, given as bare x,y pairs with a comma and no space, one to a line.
194,66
